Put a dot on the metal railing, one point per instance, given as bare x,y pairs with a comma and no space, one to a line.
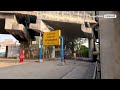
97,70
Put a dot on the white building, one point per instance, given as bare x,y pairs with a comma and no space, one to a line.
2,50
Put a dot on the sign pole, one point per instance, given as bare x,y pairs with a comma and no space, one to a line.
62,48
40,46
53,38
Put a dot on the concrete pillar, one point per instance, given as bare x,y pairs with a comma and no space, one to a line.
110,45
91,46
25,45
53,52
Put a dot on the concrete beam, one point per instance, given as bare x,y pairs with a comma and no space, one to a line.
3,16
19,12
20,15
10,20
63,18
40,26
11,25
86,29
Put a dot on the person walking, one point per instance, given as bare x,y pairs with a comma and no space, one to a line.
21,56
74,56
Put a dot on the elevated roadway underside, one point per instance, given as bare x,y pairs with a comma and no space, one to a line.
19,20
70,30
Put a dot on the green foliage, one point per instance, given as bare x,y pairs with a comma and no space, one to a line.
83,52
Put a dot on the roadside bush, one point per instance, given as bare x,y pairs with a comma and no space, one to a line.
83,52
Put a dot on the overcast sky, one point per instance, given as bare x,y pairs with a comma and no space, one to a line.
6,36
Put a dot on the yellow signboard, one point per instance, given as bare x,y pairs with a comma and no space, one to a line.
51,38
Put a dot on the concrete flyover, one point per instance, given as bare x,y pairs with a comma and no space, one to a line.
16,23
74,23
24,25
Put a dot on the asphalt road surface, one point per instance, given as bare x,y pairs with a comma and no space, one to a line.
49,70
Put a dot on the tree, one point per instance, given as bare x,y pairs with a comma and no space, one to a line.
75,44
78,46
83,52
78,42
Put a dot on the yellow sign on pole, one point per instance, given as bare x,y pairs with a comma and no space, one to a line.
51,38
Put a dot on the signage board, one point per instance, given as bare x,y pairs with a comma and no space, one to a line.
52,38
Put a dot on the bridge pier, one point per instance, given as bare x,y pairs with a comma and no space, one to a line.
91,46
110,45
26,47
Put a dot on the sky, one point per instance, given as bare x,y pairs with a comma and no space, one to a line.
86,43
6,36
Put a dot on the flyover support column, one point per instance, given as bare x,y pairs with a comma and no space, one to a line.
109,31
91,46
26,46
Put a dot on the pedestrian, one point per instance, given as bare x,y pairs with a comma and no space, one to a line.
65,55
22,56
74,56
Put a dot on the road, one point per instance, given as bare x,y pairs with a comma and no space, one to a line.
49,70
